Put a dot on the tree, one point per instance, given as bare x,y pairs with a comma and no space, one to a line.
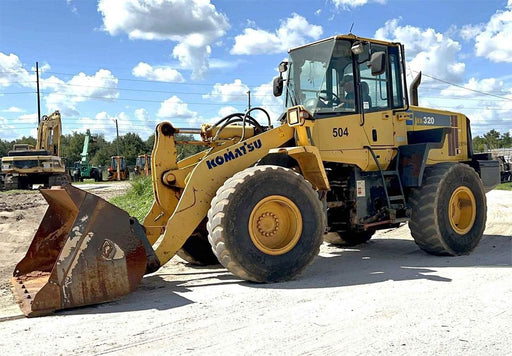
150,142
103,154
71,147
185,150
479,144
506,140
30,140
130,146
492,139
5,147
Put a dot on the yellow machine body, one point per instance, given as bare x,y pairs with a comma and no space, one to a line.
260,198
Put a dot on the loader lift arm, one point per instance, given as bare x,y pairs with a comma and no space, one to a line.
190,204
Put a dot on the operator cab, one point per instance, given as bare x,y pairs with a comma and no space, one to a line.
344,75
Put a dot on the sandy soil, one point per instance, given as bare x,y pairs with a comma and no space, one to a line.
384,297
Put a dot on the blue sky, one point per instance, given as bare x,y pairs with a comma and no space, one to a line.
141,62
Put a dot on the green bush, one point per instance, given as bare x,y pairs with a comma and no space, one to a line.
138,199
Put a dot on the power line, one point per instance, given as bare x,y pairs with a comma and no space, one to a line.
20,92
150,80
138,100
213,84
466,88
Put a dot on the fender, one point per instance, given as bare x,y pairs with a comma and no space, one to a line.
310,163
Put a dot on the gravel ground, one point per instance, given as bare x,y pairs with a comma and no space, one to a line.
383,297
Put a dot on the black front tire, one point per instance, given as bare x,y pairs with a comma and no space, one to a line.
266,224
449,210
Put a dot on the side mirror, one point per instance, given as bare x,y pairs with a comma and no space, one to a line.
277,86
378,63
283,66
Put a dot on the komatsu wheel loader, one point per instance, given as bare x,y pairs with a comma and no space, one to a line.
351,155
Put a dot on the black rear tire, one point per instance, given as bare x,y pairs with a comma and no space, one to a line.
449,210
349,238
197,249
266,224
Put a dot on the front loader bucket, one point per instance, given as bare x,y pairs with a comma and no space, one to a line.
86,251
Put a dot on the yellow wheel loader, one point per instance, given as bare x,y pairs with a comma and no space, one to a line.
351,155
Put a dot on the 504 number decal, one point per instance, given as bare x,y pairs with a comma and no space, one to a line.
339,131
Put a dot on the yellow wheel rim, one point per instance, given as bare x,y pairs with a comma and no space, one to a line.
462,210
275,225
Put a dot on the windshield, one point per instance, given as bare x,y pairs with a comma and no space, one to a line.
321,78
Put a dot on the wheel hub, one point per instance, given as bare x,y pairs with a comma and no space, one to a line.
275,225
268,224
462,210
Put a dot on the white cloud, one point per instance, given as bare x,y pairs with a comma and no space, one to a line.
351,4
161,73
293,32
102,85
29,119
469,32
8,130
222,113
175,109
475,88
72,6
14,109
236,91
12,71
263,96
216,63
104,123
145,126
193,56
227,110
194,24
485,111
494,41
427,50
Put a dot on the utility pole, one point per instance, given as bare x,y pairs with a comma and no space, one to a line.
249,99
117,133
38,98
118,159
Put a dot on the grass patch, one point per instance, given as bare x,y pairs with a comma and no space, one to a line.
138,199
504,186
